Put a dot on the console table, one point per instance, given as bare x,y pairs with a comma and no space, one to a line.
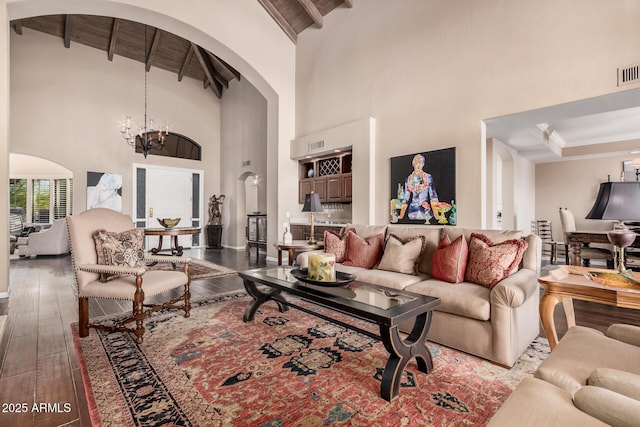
295,246
173,233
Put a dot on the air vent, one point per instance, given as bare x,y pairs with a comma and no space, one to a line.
313,146
629,75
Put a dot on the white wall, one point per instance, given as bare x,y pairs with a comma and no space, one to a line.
66,105
574,185
244,138
430,71
240,32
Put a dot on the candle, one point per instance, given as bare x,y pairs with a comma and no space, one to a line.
322,267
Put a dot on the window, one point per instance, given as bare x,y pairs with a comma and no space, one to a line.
62,191
18,194
42,200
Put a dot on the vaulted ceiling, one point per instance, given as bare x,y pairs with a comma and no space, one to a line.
158,48
295,16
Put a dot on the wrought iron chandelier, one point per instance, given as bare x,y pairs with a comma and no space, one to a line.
147,137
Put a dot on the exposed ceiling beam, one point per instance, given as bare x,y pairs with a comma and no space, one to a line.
152,50
280,20
216,75
185,63
219,62
312,11
349,3
207,68
17,27
67,31
114,37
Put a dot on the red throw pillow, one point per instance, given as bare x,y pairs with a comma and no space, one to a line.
449,260
490,262
335,244
363,252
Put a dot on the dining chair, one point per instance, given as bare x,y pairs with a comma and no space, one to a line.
587,253
109,262
542,228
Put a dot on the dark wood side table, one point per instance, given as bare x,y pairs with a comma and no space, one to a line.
576,286
296,246
173,233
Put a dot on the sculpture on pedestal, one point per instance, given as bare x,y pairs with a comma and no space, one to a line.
215,216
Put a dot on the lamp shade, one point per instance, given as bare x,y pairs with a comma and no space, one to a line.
619,201
312,203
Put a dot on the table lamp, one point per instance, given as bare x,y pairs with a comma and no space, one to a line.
312,204
619,201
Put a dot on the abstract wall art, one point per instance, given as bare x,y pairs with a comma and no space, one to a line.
423,188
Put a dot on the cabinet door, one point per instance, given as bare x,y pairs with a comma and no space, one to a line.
334,188
320,187
262,229
297,232
346,187
305,187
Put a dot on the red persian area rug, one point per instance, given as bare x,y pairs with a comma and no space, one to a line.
282,369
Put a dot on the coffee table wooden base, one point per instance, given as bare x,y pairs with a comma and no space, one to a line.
401,351
259,298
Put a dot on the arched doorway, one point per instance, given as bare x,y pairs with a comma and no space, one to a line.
42,189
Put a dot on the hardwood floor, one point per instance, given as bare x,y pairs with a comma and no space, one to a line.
37,357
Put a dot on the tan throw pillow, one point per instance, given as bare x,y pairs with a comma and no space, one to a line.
363,252
335,244
401,256
123,249
489,262
449,261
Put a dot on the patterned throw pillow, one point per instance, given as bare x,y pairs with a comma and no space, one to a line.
449,260
490,262
124,249
402,256
335,244
363,252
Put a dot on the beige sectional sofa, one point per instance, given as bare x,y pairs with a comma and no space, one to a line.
589,379
496,324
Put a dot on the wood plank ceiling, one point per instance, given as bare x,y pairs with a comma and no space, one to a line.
158,48
295,16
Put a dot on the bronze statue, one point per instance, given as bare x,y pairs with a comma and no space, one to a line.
215,216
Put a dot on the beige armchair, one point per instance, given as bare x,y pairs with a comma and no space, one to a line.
133,283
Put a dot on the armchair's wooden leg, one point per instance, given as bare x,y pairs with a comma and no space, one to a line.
187,293
83,317
138,315
187,301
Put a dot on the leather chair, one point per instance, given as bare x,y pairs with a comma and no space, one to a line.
587,253
133,284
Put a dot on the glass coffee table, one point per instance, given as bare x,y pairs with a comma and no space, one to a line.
376,304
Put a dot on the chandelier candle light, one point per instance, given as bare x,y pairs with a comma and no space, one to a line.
147,137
